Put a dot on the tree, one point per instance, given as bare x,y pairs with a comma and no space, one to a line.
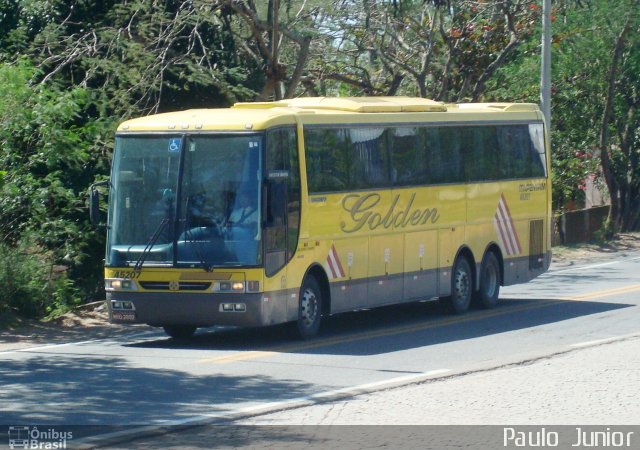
595,104
46,159
69,72
441,50
274,44
619,140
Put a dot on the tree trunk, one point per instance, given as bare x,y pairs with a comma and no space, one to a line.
614,218
297,72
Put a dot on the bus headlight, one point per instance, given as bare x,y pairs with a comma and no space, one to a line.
117,284
236,287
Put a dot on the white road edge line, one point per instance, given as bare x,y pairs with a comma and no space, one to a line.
321,396
593,266
42,347
603,341
265,408
66,344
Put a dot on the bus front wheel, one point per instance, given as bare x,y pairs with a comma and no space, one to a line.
180,331
487,295
310,309
461,286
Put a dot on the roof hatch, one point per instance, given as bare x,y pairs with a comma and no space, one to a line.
355,104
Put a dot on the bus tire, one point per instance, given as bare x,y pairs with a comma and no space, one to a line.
309,309
487,295
461,286
180,331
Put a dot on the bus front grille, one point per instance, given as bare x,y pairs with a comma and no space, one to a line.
175,286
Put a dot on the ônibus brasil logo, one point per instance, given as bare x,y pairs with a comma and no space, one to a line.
33,438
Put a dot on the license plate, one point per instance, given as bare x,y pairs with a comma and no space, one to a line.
129,316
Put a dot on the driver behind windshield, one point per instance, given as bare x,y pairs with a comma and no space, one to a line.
243,223
197,215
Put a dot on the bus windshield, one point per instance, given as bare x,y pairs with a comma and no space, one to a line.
190,201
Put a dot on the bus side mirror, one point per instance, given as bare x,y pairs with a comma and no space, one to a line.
94,202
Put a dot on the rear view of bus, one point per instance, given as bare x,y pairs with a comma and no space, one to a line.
289,211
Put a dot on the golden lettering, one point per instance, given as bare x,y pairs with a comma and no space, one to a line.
360,208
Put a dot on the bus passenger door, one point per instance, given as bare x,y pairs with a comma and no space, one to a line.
281,224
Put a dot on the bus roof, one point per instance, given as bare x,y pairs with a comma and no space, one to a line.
356,104
263,115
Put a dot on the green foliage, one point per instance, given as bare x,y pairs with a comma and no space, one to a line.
48,158
63,296
30,284
69,72
583,42
584,48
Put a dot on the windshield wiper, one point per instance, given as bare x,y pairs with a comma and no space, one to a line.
152,241
203,262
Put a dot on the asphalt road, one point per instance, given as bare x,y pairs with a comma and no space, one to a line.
145,379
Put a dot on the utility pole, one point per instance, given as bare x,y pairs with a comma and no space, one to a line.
545,73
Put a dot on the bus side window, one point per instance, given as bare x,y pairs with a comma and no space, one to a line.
368,153
408,157
450,148
538,156
515,161
330,164
435,155
481,153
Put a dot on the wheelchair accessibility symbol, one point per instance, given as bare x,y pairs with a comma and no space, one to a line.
174,145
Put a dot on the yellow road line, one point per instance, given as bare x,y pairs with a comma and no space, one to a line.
290,348
366,335
605,293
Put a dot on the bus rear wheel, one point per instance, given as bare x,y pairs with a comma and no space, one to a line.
180,331
487,295
461,286
310,309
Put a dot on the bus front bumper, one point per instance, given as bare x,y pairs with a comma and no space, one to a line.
202,310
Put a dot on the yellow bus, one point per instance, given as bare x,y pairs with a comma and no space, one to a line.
290,211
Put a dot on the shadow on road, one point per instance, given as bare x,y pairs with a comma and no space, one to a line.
65,389
412,325
87,389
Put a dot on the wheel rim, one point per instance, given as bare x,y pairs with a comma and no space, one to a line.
308,308
462,286
490,280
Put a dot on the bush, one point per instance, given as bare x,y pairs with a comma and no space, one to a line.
30,284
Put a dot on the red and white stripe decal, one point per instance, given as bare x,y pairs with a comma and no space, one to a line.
334,267
506,229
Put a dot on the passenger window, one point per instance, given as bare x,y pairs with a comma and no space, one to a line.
408,157
481,153
346,158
